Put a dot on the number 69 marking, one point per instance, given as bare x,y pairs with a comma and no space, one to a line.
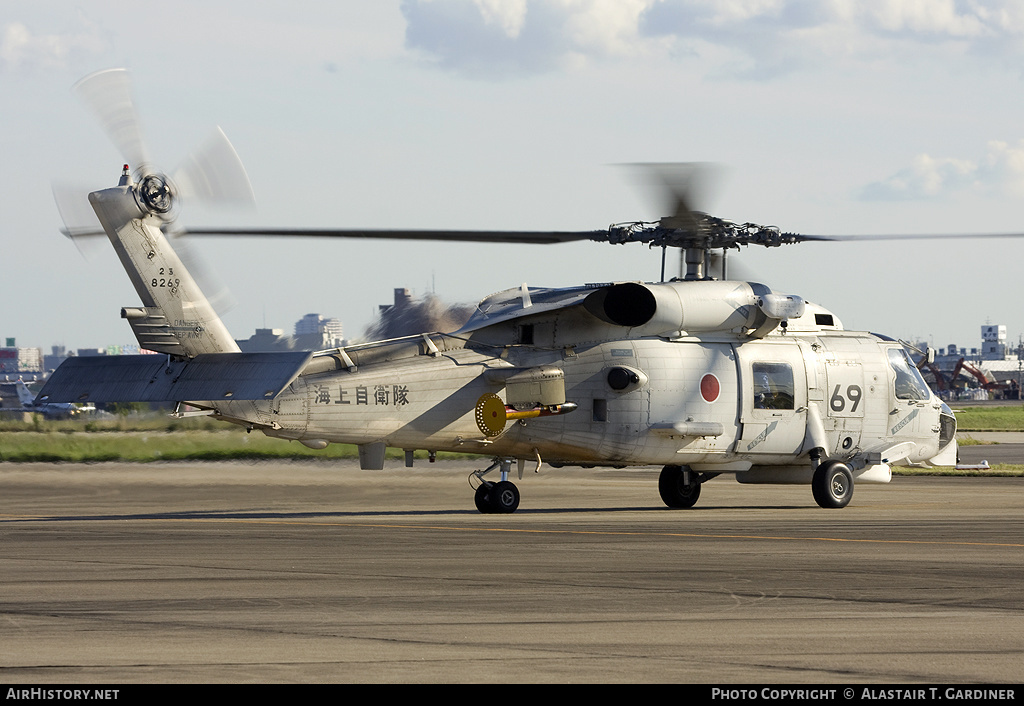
837,403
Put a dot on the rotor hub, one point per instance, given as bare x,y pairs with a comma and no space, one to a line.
155,194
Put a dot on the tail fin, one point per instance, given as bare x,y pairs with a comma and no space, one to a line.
176,316
25,395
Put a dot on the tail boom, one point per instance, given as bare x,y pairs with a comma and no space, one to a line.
177,317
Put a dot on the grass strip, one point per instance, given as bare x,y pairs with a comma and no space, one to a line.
1010,418
235,445
142,447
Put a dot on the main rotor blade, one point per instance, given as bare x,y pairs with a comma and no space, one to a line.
905,236
465,236
509,236
684,188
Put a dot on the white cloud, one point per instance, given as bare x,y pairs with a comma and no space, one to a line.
509,14
925,19
765,38
1002,169
926,178
937,18
1000,172
21,48
499,38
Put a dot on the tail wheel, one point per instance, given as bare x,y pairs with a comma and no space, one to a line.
675,491
832,485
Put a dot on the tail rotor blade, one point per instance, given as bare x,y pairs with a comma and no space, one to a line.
73,205
80,223
209,281
214,173
108,94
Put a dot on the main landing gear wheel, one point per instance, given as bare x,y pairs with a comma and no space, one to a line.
497,498
679,486
832,485
501,497
504,497
482,497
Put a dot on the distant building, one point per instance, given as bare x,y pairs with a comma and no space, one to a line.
408,317
57,356
315,332
267,340
20,360
993,371
403,299
993,342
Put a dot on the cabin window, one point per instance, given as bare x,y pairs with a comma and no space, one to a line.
526,334
773,386
909,383
600,410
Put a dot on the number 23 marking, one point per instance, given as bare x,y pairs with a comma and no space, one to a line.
165,281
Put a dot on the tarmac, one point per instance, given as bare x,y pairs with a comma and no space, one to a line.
306,572
995,447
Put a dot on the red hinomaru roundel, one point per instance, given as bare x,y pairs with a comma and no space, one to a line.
710,388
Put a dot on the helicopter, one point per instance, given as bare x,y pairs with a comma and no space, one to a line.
700,375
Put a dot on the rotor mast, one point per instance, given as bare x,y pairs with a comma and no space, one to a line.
696,236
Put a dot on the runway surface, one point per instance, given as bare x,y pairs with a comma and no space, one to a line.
299,572
996,447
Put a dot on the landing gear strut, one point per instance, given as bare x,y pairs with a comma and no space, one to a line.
679,486
501,497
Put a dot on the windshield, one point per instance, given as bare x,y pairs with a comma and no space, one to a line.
909,383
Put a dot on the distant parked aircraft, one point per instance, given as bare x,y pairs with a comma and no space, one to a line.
50,410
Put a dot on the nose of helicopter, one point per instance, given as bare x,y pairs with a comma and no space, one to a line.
947,455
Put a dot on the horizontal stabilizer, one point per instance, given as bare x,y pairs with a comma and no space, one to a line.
154,378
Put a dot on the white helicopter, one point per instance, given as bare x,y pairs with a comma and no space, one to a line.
701,376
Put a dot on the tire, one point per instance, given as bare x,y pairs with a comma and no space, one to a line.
482,498
832,485
504,497
674,492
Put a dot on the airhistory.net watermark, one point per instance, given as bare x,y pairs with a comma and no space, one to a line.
41,694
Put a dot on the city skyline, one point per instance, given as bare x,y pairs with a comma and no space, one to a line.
979,347
830,118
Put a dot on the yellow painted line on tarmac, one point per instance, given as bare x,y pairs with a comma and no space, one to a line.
613,533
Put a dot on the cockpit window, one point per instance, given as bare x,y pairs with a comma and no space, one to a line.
909,383
773,386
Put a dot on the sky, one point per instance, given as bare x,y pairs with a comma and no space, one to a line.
824,117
